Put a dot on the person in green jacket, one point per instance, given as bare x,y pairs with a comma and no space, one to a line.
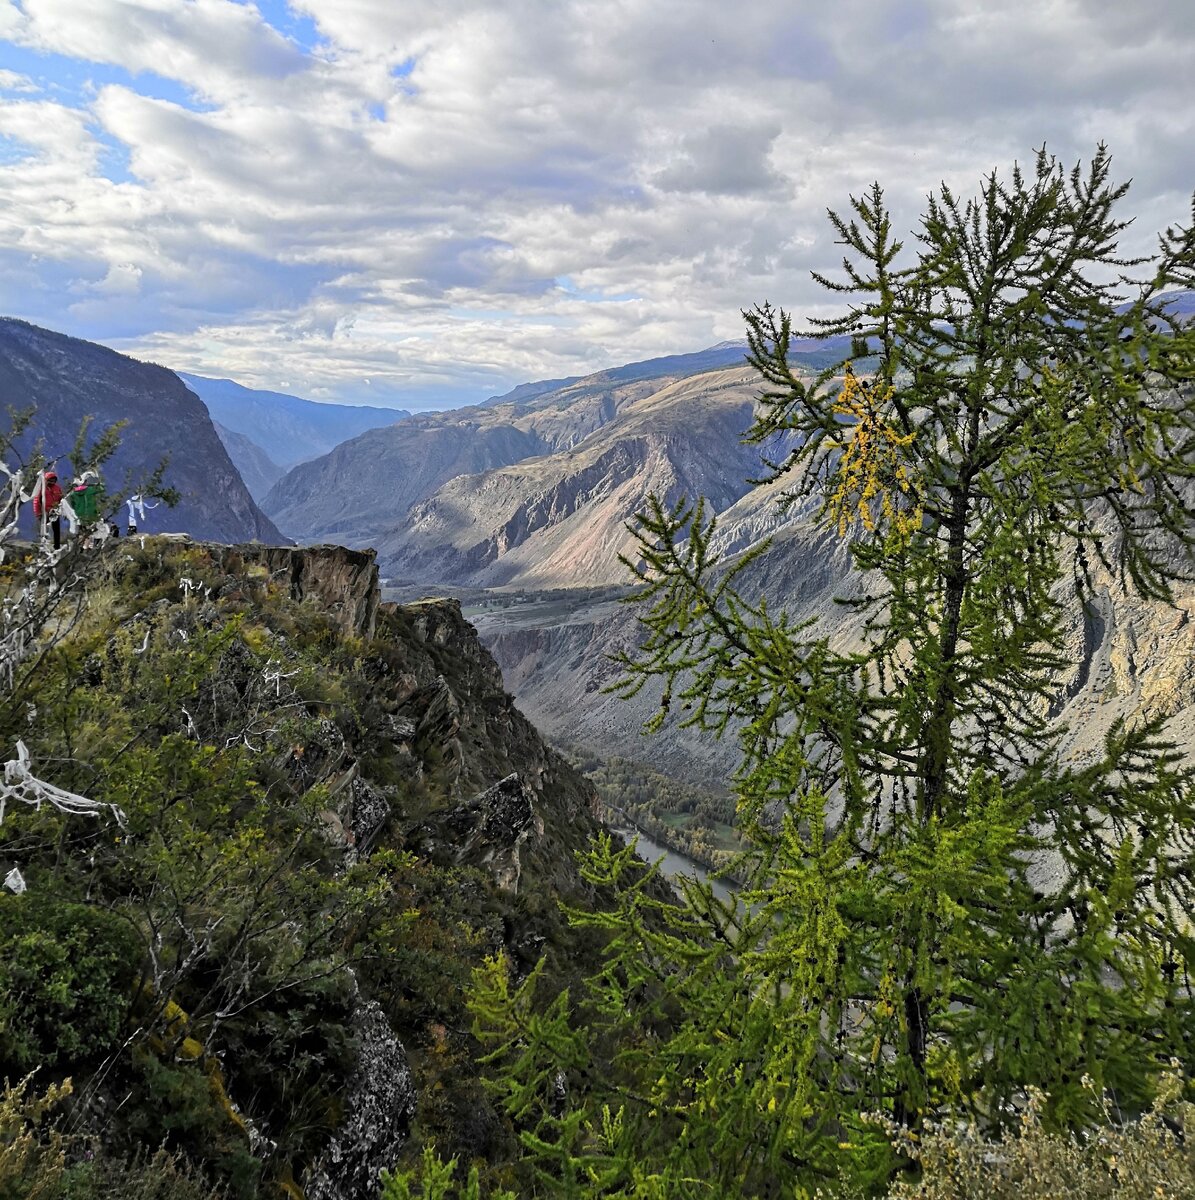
86,497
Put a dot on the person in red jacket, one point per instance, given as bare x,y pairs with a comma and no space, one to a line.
45,506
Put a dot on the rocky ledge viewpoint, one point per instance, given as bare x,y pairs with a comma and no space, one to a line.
332,811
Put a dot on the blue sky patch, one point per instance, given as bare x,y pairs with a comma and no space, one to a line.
72,81
12,150
565,284
114,161
297,27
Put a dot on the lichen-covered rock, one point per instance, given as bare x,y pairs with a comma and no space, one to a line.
436,732
401,730
441,711
369,809
379,1105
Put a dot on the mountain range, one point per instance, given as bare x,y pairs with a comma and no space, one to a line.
408,489
531,492
286,429
534,494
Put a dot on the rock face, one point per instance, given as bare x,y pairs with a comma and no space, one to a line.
364,486
65,379
560,520
379,1106
535,497
488,830
340,581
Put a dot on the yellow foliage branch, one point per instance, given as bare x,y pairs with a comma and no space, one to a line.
872,485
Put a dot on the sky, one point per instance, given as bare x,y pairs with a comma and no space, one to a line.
421,204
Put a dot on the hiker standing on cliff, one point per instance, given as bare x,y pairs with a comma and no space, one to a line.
47,496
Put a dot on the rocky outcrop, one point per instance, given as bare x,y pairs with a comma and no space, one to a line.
487,831
379,1106
342,582
339,582
401,821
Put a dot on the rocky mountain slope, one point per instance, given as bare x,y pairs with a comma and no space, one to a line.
361,492
364,487
64,380
331,812
559,520
257,469
287,429
1129,657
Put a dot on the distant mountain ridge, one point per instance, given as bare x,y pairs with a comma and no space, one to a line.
724,354
499,495
287,429
65,379
363,490
559,519
259,471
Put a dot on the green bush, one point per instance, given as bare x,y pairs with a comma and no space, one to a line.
434,1180
182,1105
34,1154
66,974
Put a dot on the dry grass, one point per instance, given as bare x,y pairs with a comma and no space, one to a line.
1152,1158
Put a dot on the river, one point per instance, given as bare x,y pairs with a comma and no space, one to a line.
672,863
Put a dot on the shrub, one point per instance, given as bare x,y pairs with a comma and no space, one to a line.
66,972
160,1176
31,1163
434,1181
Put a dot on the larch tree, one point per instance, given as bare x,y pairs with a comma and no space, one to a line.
943,912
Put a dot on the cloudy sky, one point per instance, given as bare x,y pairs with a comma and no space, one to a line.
422,203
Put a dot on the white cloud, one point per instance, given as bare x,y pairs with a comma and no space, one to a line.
14,81
398,200
219,48
122,279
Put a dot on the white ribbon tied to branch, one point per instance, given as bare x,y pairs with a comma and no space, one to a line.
21,784
10,506
137,504
72,521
